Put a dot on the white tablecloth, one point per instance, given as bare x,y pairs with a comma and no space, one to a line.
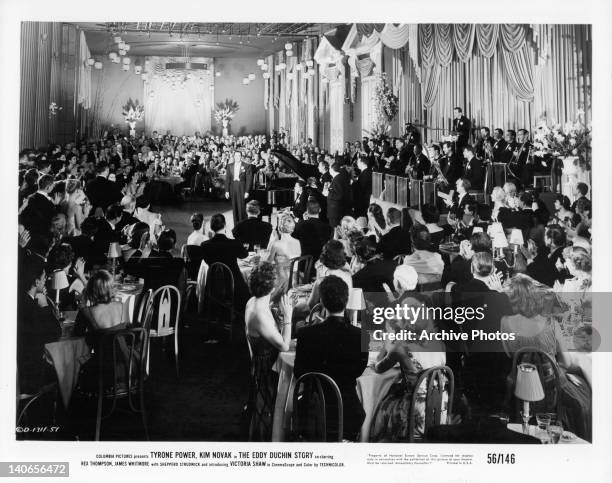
568,437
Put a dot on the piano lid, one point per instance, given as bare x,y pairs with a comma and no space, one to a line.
303,170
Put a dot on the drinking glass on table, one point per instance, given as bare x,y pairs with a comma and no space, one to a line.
257,248
555,431
543,420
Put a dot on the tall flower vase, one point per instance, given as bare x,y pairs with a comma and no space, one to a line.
132,125
225,123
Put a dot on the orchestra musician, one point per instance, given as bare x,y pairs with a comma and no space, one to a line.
461,126
419,164
473,169
508,152
499,145
520,155
483,147
403,158
452,167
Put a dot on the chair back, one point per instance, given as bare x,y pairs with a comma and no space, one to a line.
122,357
219,288
300,269
309,396
549,373
163,312
138,307
437,380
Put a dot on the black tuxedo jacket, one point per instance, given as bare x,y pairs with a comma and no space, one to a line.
222,249
499,147
312,234
453,169
300,205
371,277
127,219
36,217
362,191
253,231
102,193
395,242
458,206
507,154
333,347
421,165
339,198
103,238
474,171
462,127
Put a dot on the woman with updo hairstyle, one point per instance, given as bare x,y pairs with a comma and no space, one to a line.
500,205
563,212
579,264
267,335
76,207
377,224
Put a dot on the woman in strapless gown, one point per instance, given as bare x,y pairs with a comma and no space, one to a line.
266,335
281,252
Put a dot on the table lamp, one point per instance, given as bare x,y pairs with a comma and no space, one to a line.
59,281
528,387
516,239
495,228
114,252
477,229
356,302
500,242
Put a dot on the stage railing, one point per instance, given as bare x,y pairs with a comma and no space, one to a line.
377,185
402,191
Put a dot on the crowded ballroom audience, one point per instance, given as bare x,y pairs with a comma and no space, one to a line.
93,213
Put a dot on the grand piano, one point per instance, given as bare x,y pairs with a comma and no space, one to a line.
278,193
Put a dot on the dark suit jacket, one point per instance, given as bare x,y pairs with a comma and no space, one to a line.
36,217
312,234
371,277
36,326
127,219
395,242
362,191
253,231
462,127
421,166
499,147
458,207
339,198
222,249
102,193
103,238
453,170
300,205
333,347
475,173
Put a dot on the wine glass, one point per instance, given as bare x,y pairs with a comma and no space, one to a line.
543,420
555,431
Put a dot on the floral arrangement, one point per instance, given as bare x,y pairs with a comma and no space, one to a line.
133,111
569,139
226,110
386,106
386,103
54,109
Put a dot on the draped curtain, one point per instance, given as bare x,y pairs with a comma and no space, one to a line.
84,86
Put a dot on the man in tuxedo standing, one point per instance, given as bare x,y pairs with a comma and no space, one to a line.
499,145
362,188
238,183
339,197
473,168
41,206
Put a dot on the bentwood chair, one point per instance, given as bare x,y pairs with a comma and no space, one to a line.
122,359
219,296
138,307
439,384
309,420
162,318
300,270
27,400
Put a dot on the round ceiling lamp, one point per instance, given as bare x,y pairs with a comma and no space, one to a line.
251,76
121,46
290,53
126,47
245,81
282,66
122,52
98,65
288,46
91,61
298,66
309,63
125,67
117,39
137,69
260,62
112,55
218,73
266,75
126,61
